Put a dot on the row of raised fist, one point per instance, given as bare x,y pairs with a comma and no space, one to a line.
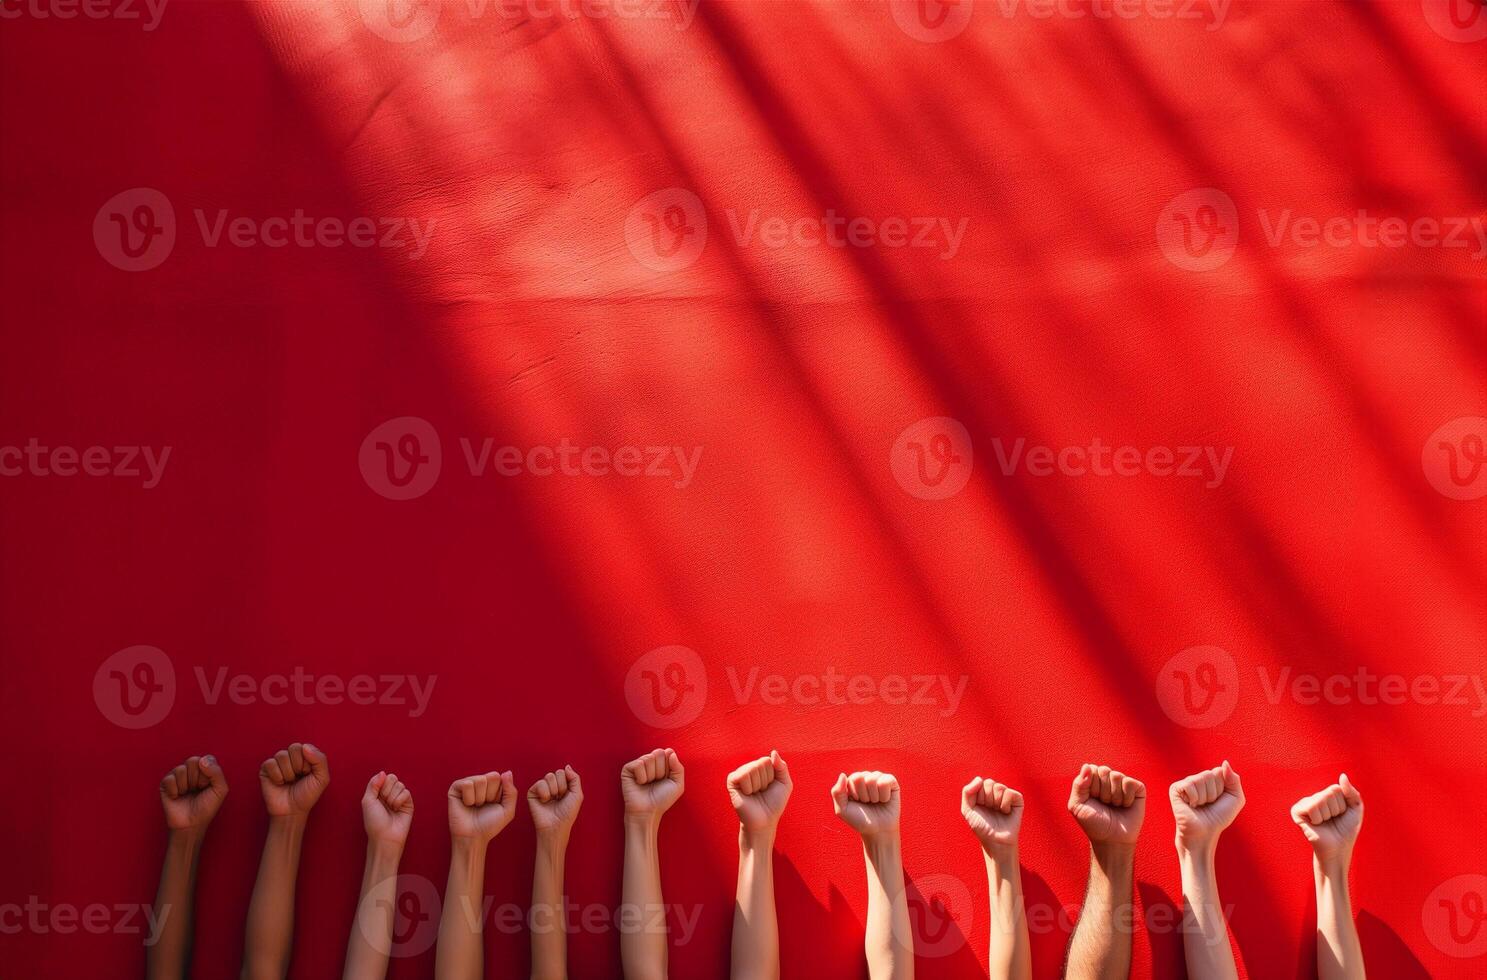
1108,805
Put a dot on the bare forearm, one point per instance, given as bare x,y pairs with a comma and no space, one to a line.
270,932
548,925
756,933
169,955
889,957
371,932
1010,955
1339,954
1205,936
460,955
643,949
1101,946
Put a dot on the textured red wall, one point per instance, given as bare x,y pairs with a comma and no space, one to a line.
1073,149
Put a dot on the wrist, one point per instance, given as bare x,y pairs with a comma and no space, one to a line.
756,838
295,819
882,845
1000,854
1112,856
553,839
1197,851
1333,867
647,820
188,835
384,851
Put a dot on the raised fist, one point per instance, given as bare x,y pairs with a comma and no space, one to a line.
759,791
1204,804
652,783
480,807
868,802
1331,819
554,800
993,811
293,779
192,793
387,810
1109,805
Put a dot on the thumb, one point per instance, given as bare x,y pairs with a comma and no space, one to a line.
574,786
1349,791
508,788
1231,780
319,765
839,793
374,786
968,794
216,778
1079,792
781,771
674,767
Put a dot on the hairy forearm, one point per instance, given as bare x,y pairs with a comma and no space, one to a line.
1101,945
169,956
888,929
643,949
1010,955
460,955
547,924
1205,933
756,932
371,931
270,932
1339,954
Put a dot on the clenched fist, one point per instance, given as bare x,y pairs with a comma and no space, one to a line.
293,779
868,802
192,793
1109,805
759,791
480,807
387,810
651,783
1204,804
1331,820
554,801
993,811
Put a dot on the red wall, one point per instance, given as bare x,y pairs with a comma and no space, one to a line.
1070,311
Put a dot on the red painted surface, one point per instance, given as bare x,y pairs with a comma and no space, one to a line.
1325,550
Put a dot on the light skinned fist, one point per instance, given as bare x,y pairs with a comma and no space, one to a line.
1108,804
192,793
481,806
293,779
554,800
1331,820
993,811
868,802
759,791
651,783
1204,804
387,810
